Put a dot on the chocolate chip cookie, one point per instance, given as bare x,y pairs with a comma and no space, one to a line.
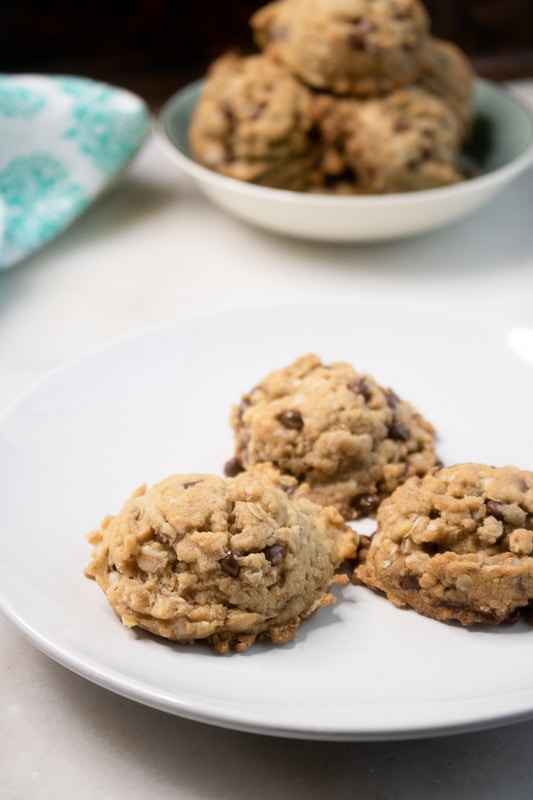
456,544
360,47
406,141
253,122
338,432
448,74
228,560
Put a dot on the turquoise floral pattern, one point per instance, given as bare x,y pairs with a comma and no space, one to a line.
19,102
63,140
104,136
44,184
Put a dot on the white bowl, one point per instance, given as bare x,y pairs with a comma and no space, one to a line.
501,148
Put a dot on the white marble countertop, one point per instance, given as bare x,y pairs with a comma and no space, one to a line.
152,250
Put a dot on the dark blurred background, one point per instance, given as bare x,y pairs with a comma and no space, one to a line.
154,47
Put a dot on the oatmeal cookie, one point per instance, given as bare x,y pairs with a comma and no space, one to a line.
228,560
253,122
339,433
448,74
456,544
359,47
407,141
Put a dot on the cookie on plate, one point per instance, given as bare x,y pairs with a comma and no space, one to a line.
456,544
358,47
349,440
228,560
253,123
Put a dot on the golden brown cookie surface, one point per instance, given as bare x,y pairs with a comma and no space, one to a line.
406,141
361,47
252,123
226,560
447,73
457,544
349,439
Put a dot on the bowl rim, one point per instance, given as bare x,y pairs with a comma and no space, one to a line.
205,175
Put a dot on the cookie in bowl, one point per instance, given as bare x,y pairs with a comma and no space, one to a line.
253,122
448,74
405,141
348,47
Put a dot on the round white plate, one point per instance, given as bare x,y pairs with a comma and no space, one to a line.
73,449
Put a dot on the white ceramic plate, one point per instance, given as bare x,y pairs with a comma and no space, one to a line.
501,148
74,448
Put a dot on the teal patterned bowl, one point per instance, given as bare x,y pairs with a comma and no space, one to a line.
63,140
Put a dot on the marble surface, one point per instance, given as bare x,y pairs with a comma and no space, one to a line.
153,250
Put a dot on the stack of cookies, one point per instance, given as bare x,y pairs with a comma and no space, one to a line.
345,97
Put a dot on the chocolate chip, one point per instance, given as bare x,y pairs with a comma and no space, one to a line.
232,468
274,553
409,582
391,398
291,419
401,126
358,38
495,509
228,113
360,386
365,503
399,432
528,522
230,564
